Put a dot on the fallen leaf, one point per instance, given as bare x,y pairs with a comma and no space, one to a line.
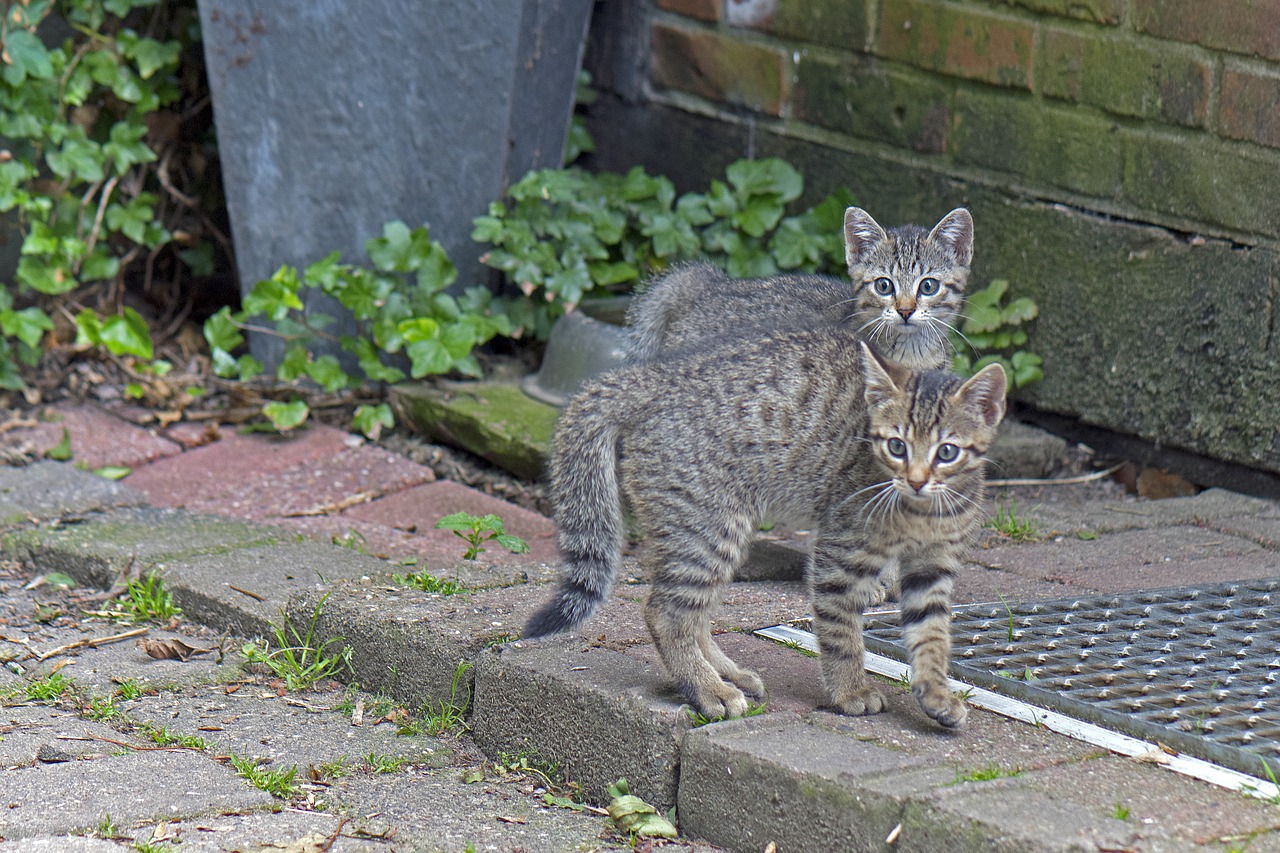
172,649
517,820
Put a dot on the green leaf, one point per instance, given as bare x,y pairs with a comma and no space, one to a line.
293,364
222,330
126,148
981,318
771,176
427,357
1020,311
458,521
25,56
113,472
276,296
199,259
328,373
371,420
60,452
27,325
126,334
514,544
286,416
150,55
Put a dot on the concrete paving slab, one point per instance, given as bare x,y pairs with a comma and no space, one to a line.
96,550
600,715
74,796
61,844
1211,505
246,590
47,490
37,733
1135,559
265,831
296,730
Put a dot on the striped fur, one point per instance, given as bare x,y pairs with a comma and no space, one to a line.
695,306
799,426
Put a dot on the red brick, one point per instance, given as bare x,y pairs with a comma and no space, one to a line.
1250,106
1238,26
232,463
719,68
706,10
962,42
841,24
98,438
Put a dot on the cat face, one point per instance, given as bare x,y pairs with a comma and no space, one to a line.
930,431
908,283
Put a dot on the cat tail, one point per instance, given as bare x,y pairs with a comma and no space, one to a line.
589,523
652,312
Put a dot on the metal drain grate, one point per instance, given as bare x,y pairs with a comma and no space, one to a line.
1196,669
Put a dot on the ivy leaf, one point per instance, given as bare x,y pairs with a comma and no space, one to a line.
275,296
126,334
222,331
149,54
60,452
427,357
328,373
771,176
25,56
286,416
126,148
27,325
370,421
436,271
293,364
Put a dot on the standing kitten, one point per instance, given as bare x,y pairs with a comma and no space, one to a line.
886,463
907,289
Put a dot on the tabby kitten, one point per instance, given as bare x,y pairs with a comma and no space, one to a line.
908,287
886,463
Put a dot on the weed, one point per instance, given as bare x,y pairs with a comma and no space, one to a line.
278,783
992,333
353,539
49,688
298,661
130,689
334,769
477,530
147,599
449,715
1120,812
1007,523
795,645
106,827
152,847
429,583
1009,611
985,774
102,709
385,763
1025,675
163,737
699,719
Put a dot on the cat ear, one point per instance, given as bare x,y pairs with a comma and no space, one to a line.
985,392
955,232
861,235
883,379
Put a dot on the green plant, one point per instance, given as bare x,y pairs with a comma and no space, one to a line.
429,583
280,782
102,709
1007,523
161,736
130,689
477,530
401,309
147,599
48,688
1121,812
754,709
985,774
562,234
296,658
335,768
90,171
106,827
378,763
449,714
992,333
633,816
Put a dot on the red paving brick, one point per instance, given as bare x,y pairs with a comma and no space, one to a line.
98,438
232,463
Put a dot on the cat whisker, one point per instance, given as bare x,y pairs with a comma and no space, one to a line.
962,335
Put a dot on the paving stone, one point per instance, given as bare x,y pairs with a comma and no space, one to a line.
1211,505
62,844
288,829
98,550
154,785
245,589
98,438
32,730
48,490
601,715
233,462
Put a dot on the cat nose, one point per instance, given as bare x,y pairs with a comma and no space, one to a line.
917,485
906,313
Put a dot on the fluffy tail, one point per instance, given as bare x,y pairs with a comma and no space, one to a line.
588,514
652,312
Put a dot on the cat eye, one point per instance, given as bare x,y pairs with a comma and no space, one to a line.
897,447
929,287
948,453
883,286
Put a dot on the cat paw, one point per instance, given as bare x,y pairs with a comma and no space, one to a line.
943,706
720,704
859,703
749,682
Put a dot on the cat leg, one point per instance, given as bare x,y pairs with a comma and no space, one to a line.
692,566
843,583
926,630
749,682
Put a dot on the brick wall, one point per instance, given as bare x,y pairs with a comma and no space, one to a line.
1121,159
1165,111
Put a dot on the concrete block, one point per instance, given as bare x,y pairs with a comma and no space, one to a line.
601,715
44,491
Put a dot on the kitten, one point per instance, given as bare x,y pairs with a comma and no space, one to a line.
884,462
908,287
